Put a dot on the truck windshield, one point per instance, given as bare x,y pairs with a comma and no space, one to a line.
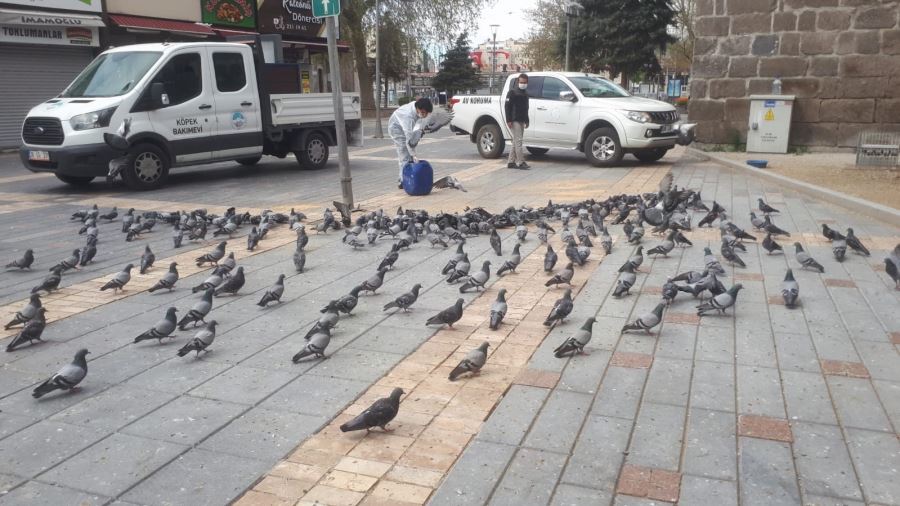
597,87
111,74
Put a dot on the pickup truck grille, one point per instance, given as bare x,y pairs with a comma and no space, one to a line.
664,118
43,131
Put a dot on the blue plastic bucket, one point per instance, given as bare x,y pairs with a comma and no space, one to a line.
418,178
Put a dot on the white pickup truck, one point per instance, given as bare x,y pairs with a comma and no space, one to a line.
188,104
573,110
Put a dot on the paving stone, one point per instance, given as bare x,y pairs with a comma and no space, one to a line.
315,395
649,482
562,410
472,479
35,492
584,372
713,386
627,500
176,375
8,481
857,404
700,491
874,456
263,434
715,344
512,418
759,391
841,368
386,338
13,381
677,341
537,378
571,495
796,352
113,408
530,478
186,420
807,397
114,464
620,392
669,382
823,463
362,365
889,393
598,453
657,436
766,473
880,360
42,445
710,446
243,385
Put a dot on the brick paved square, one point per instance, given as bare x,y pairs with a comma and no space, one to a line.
631,360
649,482
765,428
536,378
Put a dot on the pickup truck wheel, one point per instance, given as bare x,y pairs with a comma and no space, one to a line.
74,180
147,169
249,162
537,151
602,147
314,155
490,141
650,155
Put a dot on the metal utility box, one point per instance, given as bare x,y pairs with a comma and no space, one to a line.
770,123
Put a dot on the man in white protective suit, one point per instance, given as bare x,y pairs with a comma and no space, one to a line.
406,128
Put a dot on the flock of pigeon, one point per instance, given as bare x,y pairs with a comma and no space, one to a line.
666,213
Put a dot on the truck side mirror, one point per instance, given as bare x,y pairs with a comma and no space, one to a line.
568,96
158,95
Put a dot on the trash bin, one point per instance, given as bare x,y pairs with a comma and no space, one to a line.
418,178
770,123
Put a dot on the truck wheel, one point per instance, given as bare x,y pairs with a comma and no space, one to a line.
490,141
537,151
147,169
602,147
314,155
650,155
75,180
249,162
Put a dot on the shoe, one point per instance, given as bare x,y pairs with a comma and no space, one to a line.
400,186
511,165
524,166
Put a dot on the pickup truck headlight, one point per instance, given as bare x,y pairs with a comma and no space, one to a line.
640,117
96,119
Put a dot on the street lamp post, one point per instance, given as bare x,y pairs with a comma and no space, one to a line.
378,132
493,57
571,11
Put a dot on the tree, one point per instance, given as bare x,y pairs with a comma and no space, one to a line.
457,73
547,25
681,53
620,36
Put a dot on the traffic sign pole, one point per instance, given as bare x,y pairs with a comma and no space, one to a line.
338,99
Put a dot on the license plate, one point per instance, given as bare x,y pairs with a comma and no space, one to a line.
39,156
666,129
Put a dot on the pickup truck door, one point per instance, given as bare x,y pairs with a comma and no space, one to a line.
189,119
556,120
238,131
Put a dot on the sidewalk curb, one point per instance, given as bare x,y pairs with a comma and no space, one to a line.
871,209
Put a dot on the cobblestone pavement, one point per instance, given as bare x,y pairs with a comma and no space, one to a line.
771,407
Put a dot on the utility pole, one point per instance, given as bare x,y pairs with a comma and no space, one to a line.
379,134
493,58
339,125
572,7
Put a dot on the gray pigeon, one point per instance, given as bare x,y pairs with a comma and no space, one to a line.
406,300
162,328
635,261
606,241
498,309
563,276
24,262
299,259
227,264
451,264
70,262
510,265
664,247
25,314
273,293
233,284
770,245
119,281
892,268
805,260
66,378
473,362
550,258
252,239
496,242
669,291
316,346
647,321
177,235
839,248
720,302
478,279
766,208
213,256
729,254
88,252
211,282
201,341
855,243
199,311
168,280
51,282
326,322
790,289
576,343
147,259
561,309
448,316
712,263
379,414
346,303
373,283
625,282
32,330
460,269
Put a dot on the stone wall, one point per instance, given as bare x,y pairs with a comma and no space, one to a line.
841,58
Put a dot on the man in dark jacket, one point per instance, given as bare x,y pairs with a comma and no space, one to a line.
516,108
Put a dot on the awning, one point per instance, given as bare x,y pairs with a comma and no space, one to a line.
161,25
35,18
233,33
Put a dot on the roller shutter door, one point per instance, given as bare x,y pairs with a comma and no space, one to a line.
29,75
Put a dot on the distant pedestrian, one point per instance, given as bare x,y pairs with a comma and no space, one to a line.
517,120
403,131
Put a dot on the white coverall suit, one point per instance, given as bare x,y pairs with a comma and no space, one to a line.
401,126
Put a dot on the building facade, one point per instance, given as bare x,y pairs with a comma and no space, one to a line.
840,58
510,56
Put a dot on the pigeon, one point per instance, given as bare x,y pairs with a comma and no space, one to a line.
451,264
647,321
561,309
326,322
213,256
773,229
766,208
201,341
233,284
790,289
227,228
521,232
498,310
374,282
66,378
273,293
70,262
379,414
669,291
51,282
211,282
299,259
127,220
635,260
315,346
510,265
576,343
550,258
472,363
720,302
31,331
664,247
496,243
805,260
478,279
681,240
712,263
770,245
177,235
119,281
892,268
839,248
199,311
855,244
147,259
346,303
111,215
162,328
25,314
563,276
460,269
24,262
449,182
168,280
626,280
83,214
606,241
388,261
88,252
228,264
406,300
831,234
729,254
448,316
252,239
757,222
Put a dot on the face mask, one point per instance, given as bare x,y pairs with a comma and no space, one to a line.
422,115
522,86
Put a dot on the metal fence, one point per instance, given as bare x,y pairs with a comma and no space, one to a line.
878,149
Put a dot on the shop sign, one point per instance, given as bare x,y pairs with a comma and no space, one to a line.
240,13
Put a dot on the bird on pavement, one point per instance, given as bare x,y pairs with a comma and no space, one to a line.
626,280
830,233
406,300
213,281
111,215
720,302
315,346
576,343
168,280
379,414
606,241
550,258
199,311
119,280
25,314
805,260
562,277
472,363
477,279
510,265
24,262
31,331
647,321
161,329
496,242
855,243
634,261
770,245
373,283
460,269
273,293
67,378
892,266
201,340
790,289
147,259
232,284
561,309
839,248
498,310
773,229
88,252
213,256
664,247
669,291
448,316
51,282
729,254
70,262
712,263
766,208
